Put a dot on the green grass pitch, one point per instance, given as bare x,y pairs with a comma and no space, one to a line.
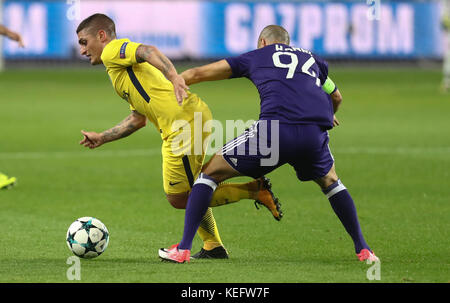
392,153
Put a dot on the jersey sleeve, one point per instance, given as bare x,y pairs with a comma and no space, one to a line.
120,54
240,65
323,69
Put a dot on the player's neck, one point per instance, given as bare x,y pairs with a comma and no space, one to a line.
271,43
108,40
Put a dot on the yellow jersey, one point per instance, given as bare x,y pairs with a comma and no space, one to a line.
146,89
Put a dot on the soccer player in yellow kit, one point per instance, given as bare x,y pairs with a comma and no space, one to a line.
149,82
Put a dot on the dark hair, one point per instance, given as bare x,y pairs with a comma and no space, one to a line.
98,22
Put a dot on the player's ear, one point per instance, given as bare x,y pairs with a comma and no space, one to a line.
101,35
262,43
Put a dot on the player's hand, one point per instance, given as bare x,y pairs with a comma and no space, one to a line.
18,38
20,42
91,139
335,121
180,88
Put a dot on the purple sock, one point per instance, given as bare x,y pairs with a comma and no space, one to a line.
197,205
343,206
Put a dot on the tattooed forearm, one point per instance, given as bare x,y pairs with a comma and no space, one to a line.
118,132
167,66
125,128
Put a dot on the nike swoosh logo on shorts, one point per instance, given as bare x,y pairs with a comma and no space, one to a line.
172,184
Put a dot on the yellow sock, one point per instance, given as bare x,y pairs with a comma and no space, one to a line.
208,231
227,193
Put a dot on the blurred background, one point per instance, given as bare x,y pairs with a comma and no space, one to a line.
342,31
392,147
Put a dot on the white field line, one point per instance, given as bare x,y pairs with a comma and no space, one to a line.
157,151
441,150
79,154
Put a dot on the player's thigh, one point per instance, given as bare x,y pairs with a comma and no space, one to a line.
244,155
314,160
175,178
182,159
179,171
219,169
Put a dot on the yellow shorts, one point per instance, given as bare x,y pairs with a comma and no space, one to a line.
183,152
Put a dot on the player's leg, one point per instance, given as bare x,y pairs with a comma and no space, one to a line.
201,194
217,170
179,171
207,230
212,244
344,207
314,161
178,200
228,193
259,189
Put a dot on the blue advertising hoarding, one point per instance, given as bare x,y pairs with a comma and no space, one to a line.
374,29
331,29
42,26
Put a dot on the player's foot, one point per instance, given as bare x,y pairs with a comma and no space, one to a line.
366,254
173,254
267,198
216,253
7,182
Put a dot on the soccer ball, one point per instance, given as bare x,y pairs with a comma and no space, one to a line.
87,237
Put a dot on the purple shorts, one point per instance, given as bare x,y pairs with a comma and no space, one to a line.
267,145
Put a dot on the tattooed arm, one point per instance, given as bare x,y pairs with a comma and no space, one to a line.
125,128
150,54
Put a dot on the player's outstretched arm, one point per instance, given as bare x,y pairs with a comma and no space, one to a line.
11,35
219,70
125,128
150,54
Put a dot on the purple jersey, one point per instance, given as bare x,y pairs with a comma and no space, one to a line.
289,81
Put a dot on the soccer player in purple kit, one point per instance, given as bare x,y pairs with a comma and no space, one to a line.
296,114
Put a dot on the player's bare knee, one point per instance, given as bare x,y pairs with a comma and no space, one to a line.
178,201
328,179
216,175
219,169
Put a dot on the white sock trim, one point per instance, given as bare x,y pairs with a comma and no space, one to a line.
335,190
205,181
